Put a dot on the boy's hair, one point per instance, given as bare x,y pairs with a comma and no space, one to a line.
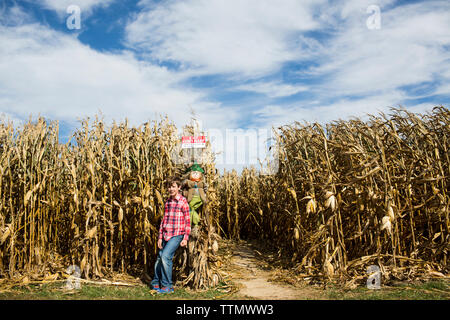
171,180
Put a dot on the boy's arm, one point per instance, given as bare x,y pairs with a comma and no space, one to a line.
160,236
187,221
160,231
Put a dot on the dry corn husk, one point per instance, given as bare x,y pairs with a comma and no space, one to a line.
293,193
331,202
328,268
390,212
215,246
296,234
311,206
328,194
386,224
91,232
5,233
159,197
83,263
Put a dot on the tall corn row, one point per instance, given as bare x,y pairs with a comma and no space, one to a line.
115,186
354,193
27,162
196,264
229,217
95,202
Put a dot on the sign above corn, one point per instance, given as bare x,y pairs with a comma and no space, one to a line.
193,142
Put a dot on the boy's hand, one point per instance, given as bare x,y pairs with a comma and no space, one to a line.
183,243
160,243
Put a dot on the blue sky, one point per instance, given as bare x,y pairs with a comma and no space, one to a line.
237,63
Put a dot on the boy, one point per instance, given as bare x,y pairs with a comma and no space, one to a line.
173,232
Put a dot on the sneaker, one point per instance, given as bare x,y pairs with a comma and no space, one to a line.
166,290
156,288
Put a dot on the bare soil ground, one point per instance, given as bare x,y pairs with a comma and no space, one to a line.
248,269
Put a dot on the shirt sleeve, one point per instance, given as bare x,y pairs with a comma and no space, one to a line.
160,231
187,221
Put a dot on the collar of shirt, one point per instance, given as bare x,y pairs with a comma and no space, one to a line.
177,198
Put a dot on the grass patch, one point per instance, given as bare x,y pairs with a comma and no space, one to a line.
432,290
103,292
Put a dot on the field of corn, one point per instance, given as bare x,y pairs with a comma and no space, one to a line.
351,195
95,202
347,196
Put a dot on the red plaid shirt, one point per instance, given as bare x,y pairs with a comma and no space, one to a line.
177,220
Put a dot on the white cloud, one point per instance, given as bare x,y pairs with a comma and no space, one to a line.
357,9
272,89
254,38
408,49
13,16
224,36
60,6
6,118
323,113
444,86
48,73
275,115
444,89
422,108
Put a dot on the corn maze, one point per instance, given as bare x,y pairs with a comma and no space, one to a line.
345,196
351,195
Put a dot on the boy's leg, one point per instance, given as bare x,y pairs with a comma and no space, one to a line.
158,268
166,260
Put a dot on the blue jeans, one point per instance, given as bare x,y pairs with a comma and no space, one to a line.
164,263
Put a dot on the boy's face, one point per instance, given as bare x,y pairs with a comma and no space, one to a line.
174,189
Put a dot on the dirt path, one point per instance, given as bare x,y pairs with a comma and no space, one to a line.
253,280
